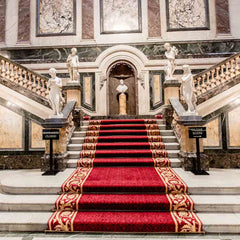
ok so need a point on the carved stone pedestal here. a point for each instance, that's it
(171, 90)
(122, 104)
(66, 128)
(72, 91)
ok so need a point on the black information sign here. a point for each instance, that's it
(197, 132)
(50, 134)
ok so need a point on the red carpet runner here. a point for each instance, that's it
(124, 183)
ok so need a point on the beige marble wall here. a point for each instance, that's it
(74, 94)
(11, 128)
(36, 136)
(213, 134)
(233, 127)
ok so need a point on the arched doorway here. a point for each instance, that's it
(126, 71)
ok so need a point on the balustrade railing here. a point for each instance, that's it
(219, 74)
(24, 77)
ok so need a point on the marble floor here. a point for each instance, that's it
(41, 236)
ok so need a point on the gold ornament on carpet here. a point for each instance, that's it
(159, 153)
(151, 126)
(89, 146)
(150, 121)
(153, 132)
(173, 183)
(94, 127)
(180, 202)
(161, 162)
(90, 139)
(92, 133)
(68, 202)
(157, 145)
(62, 221)
(74, 183)
(87, 154)
(155, 139)
(186, 222)
(95, 122)
(85, 162)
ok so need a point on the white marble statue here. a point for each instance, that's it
(170, 67)
(55, 97)
(122, 88)
(72, 65)
(187, 90)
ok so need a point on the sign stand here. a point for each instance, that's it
(197, 133)
(51, 134)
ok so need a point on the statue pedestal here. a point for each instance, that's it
(72, 92)
(171, 90)
(122, 104)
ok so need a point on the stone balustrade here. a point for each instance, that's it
(217, 75)
(24, 77)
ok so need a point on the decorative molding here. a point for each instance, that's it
(116, 8)
(62, 15)
(183, 15)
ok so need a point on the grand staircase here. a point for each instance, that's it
(121, 192)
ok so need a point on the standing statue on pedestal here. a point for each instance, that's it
(121, 89)
(187, 90)
(170, 67)
(72, 65)
(55, 97)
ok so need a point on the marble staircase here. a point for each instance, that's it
(27, 198)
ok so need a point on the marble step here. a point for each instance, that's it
(162, 132)
(76, 154)
(175, 163)
(37, 222)
(32, 182)
(166, 139)
(45, 203)
(78, 147)
(161, 127)
(159, 121)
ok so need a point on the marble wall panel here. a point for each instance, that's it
(233, 128)
(187, 14)
(2, 19)
(24, 20)
(213, 134)
(222, 16)
(154, 22)
(120, 16)
(87, 19)
(87, 81)
(11, 129)
(56, 17)
(36, 136)
(223, 48)
(156, 79)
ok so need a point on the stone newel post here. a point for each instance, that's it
(66, 127)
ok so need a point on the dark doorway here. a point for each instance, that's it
(122, 70)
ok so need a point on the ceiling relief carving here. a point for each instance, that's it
(56, 17)
(187, 15)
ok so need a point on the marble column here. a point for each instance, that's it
(2, 20)
(87, 19)
(154, 23)
(222, 17)
(24, 21)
